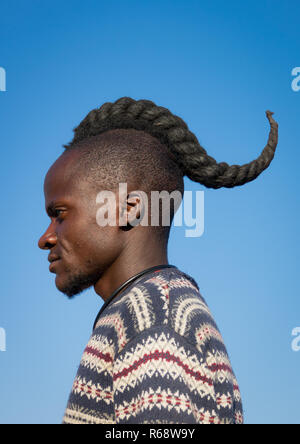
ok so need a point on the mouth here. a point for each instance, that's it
(53, 263)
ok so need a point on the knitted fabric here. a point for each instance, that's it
(156, 356)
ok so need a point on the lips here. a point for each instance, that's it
(53, 265)
(53, 259)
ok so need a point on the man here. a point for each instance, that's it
(155, 354)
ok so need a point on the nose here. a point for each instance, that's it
(48, 239)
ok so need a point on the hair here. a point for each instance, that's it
(148, 141)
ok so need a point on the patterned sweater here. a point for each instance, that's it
(156, 356)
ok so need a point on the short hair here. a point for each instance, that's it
(130, 138)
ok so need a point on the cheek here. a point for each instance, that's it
(103, 241)
(97, 246)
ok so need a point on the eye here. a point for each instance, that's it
(57, 214)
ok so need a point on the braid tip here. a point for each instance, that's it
(269, 115)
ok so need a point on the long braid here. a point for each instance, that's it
(183, 145)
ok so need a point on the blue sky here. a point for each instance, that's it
(218, 65)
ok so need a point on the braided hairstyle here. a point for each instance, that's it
(183, 146)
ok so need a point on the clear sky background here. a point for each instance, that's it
(218, 65)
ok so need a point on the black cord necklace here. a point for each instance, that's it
(129, 281)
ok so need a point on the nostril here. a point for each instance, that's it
(45, 244)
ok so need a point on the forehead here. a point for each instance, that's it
(61, 178)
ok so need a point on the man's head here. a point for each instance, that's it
(82, 250)
(149, 149)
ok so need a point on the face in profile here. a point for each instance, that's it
(79, 249)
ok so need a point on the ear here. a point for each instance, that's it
(132, 210)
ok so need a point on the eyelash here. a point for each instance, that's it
(56, 215)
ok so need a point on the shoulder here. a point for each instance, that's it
(190, 316)
(170, 298)
(149, 303)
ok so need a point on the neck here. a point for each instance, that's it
(130, 262)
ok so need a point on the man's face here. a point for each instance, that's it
(79, 249)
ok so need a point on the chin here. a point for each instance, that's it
(73, 285)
